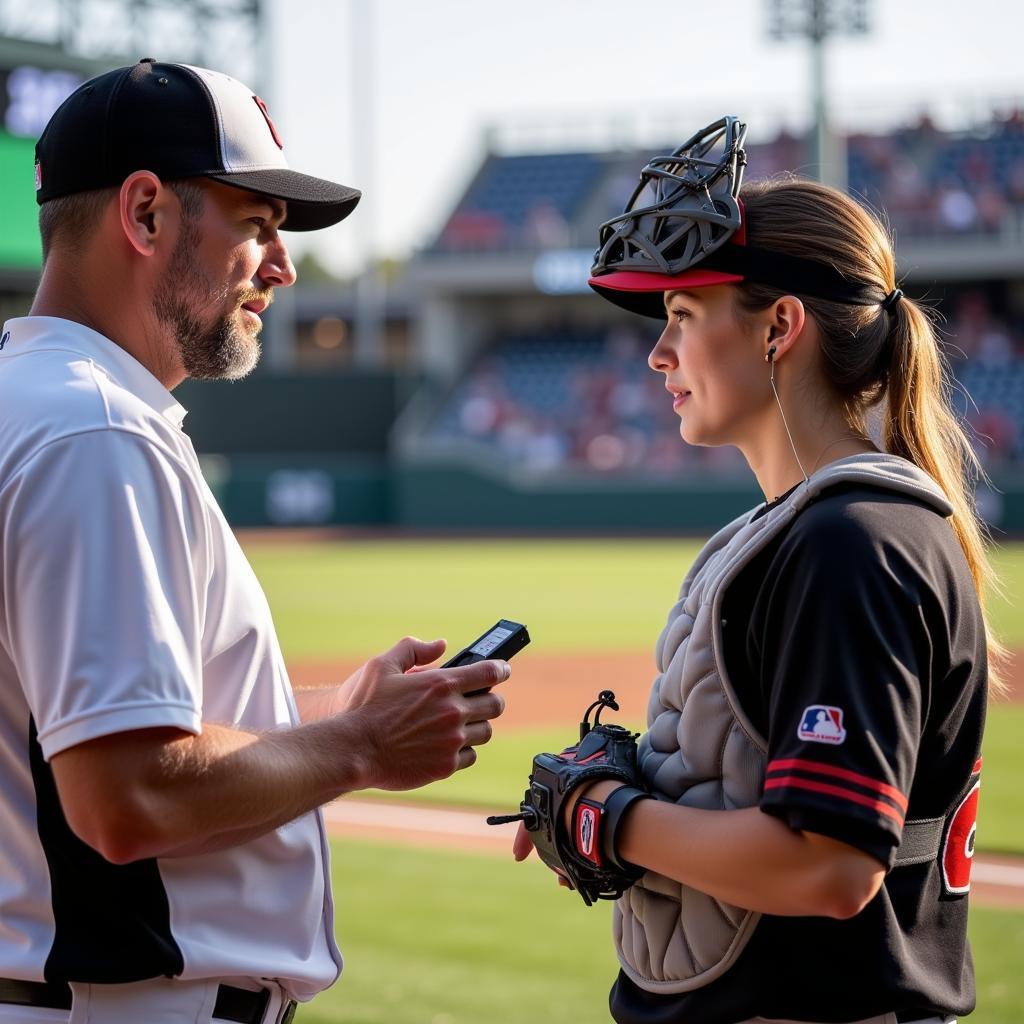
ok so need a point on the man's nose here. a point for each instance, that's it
(277, 269)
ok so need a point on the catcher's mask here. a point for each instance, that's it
(683, 227)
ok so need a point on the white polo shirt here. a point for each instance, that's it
(125, 603)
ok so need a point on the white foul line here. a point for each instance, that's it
(401, 817)
(414, 819)
(997, 874)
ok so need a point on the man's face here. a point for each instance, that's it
(226, 261)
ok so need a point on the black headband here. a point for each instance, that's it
(791, 273)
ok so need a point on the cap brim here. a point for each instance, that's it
(313, 203)
(644, 293)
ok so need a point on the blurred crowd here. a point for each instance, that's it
(562, 400)
(929, 182)
(986, 355)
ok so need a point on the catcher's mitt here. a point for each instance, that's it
(586, 854)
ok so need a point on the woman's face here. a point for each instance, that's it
(714, 368)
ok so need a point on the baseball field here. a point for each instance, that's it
(445, 932)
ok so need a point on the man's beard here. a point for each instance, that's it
(219, 350)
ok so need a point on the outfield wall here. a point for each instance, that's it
(257, 491)
(367, 492)
(317, 450)
(348, 413)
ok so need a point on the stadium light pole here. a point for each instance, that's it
(368, 304)
(280, 350)
(817, 21)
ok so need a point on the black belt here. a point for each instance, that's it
(234, 1004)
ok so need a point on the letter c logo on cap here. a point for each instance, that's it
(269, 120)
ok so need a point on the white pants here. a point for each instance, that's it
(158, 1001)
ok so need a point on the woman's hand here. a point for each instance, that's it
(522, 845)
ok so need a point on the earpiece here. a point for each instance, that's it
(771, 355)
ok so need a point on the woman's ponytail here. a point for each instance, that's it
(886, 353)
(919, 424)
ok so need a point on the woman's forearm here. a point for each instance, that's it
(750, 859)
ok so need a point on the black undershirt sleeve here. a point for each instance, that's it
(839, 638)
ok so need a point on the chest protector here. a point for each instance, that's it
(701, 750)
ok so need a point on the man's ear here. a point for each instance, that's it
(143, 207)
(785, 322)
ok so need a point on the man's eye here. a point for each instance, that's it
(679, 314)
(258, 221)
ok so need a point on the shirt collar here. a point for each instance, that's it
(39, 332)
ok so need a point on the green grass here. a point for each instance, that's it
(433, 937)
(997, 937)
(1001, 805)
(355, 598)
(436, 937)
(439, 937)
(1007, 609)
(358, 597)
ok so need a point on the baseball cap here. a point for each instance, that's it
(178, 121)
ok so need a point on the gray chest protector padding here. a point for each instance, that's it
(701, 750)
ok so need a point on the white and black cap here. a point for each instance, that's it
(178, 121)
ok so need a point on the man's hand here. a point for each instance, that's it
(417, 723)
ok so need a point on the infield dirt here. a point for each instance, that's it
(554, 689)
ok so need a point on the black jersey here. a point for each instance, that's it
(856, 646)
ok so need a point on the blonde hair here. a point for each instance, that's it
(871, 354)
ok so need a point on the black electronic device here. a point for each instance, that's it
(500, 642)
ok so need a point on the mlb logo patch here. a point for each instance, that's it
(822, 724)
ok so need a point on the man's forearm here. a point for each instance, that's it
(211, 791)
(231, 787)
(315, 703)
(160, 792)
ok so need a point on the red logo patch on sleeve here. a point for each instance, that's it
(958, 848)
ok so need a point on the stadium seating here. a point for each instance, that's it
(928, 181)
(525, 201)
(557, 400)
(552, 401)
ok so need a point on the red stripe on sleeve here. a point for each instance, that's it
(802, 764)
(845, 794)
